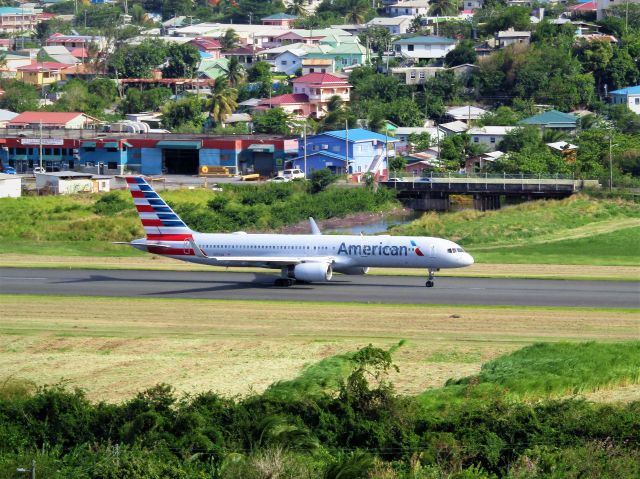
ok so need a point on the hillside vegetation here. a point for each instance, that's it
(576, 230)
(78, 225)
(359, 428)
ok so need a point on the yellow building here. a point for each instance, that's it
(40, 73)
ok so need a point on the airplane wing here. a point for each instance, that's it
(261, 260)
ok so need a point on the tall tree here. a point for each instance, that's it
(230, 39)
(443, 7)
(297, 7)
(356, 11)
(235, 72)
(222, 101)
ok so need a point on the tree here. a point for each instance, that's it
(521, 138)
(461, 54)
(443, 7)
(222, 101)
(182, 61)
(235, 72)
(297, 7)
(185, 113)
(18, 96)
(518, 18)
(355, 11)
(377, 37)
(137, 61)
(274, 120)
(229, 40)
(320, 180)
(104, 88)
(420, 142)
(397, 164)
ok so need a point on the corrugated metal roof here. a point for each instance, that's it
(425, 39)
(359, 134)
(630, 90)
(549, 118)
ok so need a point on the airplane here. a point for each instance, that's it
(306, 258)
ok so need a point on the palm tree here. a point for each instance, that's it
(443, 7)
(235, 72)
(223, 100)
(296, 7)
(229, 40)
(356, 11)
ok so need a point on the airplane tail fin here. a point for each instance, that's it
(160, 222)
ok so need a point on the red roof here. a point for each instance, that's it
(243, 51)
(43, 66)
(80, 52)
(584, 7)
(320, 78)
(286, 99)
(205, 44)
(44, 117)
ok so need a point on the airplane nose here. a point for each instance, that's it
(466, 259)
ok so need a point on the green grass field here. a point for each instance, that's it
(576, 231)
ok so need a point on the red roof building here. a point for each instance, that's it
(52, 120)
(208, 45)
(319, 88)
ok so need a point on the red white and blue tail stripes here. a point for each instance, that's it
(159, 220)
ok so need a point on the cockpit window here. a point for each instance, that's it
(460, 250)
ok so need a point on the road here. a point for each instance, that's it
(362, 289)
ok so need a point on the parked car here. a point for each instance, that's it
(394, 180)
(423, 179)
(9, 170)
(293, 174)
(39, 169)
(279, 179)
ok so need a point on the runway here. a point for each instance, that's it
(352, 289)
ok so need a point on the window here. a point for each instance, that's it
(21, 151)
(492, 139)
(112, 165)
(476, 139)
(335, 148)
(413, 74)
(283, 62)
(422, 75)
(345, 61)
(89, 148)
(637, 101)
(410, 47)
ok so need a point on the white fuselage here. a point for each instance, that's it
(346, 251)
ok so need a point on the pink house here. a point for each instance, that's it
(310, 96)
(208, 45)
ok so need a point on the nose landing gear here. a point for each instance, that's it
(430, 283)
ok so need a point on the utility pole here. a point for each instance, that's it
(40, 153)
(304, 146)
(346, 145)
(611, 161)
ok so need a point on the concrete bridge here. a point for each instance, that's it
(433, 192)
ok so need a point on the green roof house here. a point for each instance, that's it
(213, 68)
(343, 54)
(553, 119)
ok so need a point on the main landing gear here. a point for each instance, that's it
(284, 281)
(430, 283)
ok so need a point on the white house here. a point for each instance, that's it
(10, 186)
(396, 25)
(629, 96)
(409, 7)
(423, 47)
(472, 4)
(288, 61)
(65, 182)
(489, 136)
(512, 37)
(466, 112)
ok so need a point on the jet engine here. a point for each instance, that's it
(313, 272)
(353, 270)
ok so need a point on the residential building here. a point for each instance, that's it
(21, 19)
(209, 46)
(402, 134)
(39, 74)
(409, 7)
(74, 41)
(424, 47)
(287, 58)
(479, 163)
(603, 6)
(12, 62)
(357, 151)
(629, 96)
(466, 113)
(489, 136)
(52, 120)
(10, 186)
(317, 65)
(396, 25)
(60, 54)
(472, 4)
(453, 127)
(280, 20)
(320, 87)
(512, 37)
(211, 69)
(553, 119)
(344, 52)
(247, 56)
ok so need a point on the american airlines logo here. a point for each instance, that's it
(372, 250)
